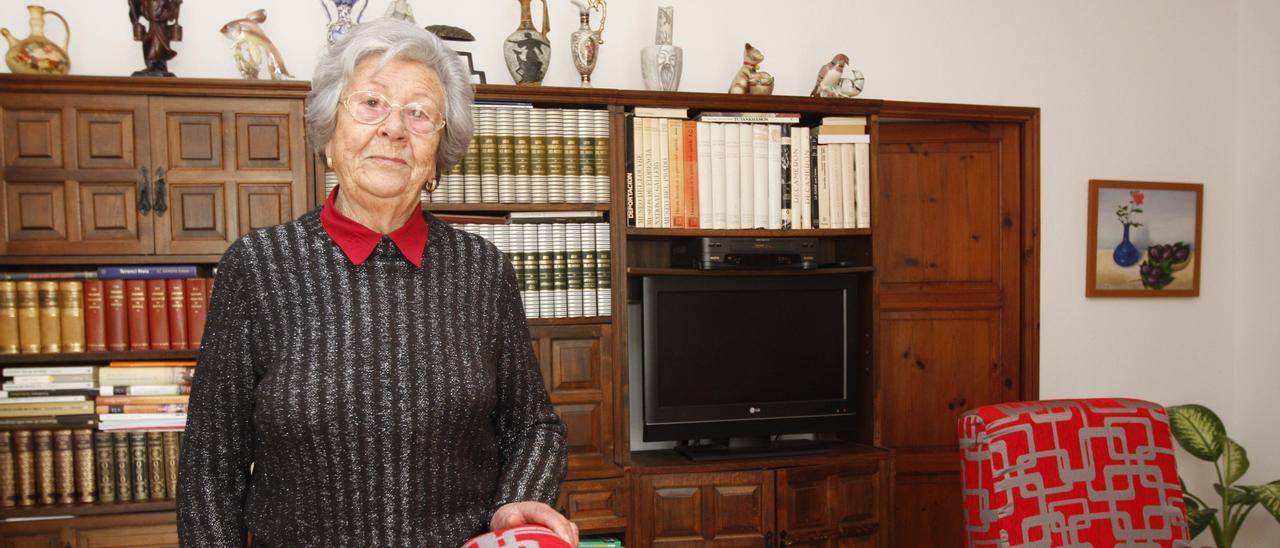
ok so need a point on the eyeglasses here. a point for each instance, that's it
(370, 107)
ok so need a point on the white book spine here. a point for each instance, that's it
(555, 156)
(637, 171)
(848, 186)
(587, 242)
(9, 386)
(538, 156)
(862, 168)
(824, 189)
(603, 162)
(604, 285)
(773, 203)
(732, 177)
(747, 180)
(524, 154)
(39, 399)
(546, 273)
(141, 390)
(760, 175)
(835, 191)
(487, 125)
(56, 371)
(506, 124)
(654, 152)
(716, 203)
(529, 243)
(704, 175)
(573, 251)
(806, 177)
(797, 193)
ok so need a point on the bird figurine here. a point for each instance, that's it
(828, 84)
(250, 46)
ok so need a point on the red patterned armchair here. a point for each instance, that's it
(1089, 472)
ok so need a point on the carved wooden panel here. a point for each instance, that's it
(833, 505)
(36, 210)
(105, 139)
(32, 137)
(143, 536)
(195, 220)
(262, 205)
(595, 505)
(262, 141)
(704, 509)
(928, 510)
(194, 140)
(32, 540)
(109, 212)
(937, 365)
(578, 374)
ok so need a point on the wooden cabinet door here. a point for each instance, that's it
(228, 166)
(595, 505)
(947, 239)
(721, 509)
(73, 175)
(833, 505)
(51, 539)
(140, 536)
(578, 372)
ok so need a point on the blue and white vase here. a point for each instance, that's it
(342, 22)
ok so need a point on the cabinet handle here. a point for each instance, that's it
(144, 191)
(782, 539)
(768, 539)
(160, 204)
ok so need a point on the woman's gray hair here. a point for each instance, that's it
(392, 39)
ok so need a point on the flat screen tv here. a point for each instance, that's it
(748, 356)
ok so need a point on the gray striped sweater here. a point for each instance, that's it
(379, 404)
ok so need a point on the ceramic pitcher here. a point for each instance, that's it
(35, 54)
(527, 51)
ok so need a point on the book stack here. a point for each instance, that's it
(744, 170)
(144, 395)
(46, 467)
(600, 542)
(522, 154)
(55, 396)
(115, 308)
(561, 260)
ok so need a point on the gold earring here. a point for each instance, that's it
(328, 161)
(431, 186)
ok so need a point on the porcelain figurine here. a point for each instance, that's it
(341, 21)
(661, 63)
(399, 9)
(833, 82)
(527, 51)
(585, 42)
(852, 82)
(36, 54)
(162, 28)
(749, 79)
(251, 47)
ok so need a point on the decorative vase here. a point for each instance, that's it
(661, 63)
(1126, 254)
(527, 51)
(585, 42)
(36, 54)
(341, 22)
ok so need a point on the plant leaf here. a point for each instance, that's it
(1198, 520)
(1269, 496)
(1235, 458)
(1237, 494)
(1198, 430)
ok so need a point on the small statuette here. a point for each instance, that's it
(585, 42)
(162, 28)
(833, 81)
(341, 21)
(250, 47)
(399, 9)
(749, 79)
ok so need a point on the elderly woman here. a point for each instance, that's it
(366, 376)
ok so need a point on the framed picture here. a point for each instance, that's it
(1144, 239)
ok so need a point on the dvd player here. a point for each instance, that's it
(718, 253)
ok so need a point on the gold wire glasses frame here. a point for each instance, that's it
(372, 108)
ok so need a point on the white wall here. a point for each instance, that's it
(1157, 90)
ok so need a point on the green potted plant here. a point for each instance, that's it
(1200, 432)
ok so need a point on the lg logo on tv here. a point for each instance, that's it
(753, 410)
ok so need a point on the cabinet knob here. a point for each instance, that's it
(782, 539)
(144, 191)
(160, 204)
(768, 539)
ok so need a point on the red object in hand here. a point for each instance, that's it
(524, 536)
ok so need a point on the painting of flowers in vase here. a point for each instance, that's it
(1144, 239)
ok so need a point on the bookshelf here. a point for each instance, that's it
(952, 278)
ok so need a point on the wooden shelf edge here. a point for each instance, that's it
(29, 260)
(586, 320)
(86, 357)
(91, 509)
(746, 233)
(641, 271)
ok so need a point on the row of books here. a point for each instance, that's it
(522, 154)
(563, 269)
(58, 467)
(125, 396)
(738, 174)
(94, 315)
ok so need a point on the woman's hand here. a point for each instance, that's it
(530, 512)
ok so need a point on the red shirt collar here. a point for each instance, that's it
(358, 241)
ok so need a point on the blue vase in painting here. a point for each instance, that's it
(1126, 254)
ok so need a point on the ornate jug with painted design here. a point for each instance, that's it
(36, 54)
(528, 51)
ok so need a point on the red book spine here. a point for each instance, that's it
(158, 314)
(117, 319)
(95, 319)
(136, 293)
(691, 173)
(196, 310)
(177, 314)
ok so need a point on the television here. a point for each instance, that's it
(748, 356)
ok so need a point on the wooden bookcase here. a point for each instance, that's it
(951, 264)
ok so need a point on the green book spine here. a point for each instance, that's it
(602, 155)
(105, 465)
(138, 465)
(124, 474)
(155, 465)
(555, 155)
(471, 172)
